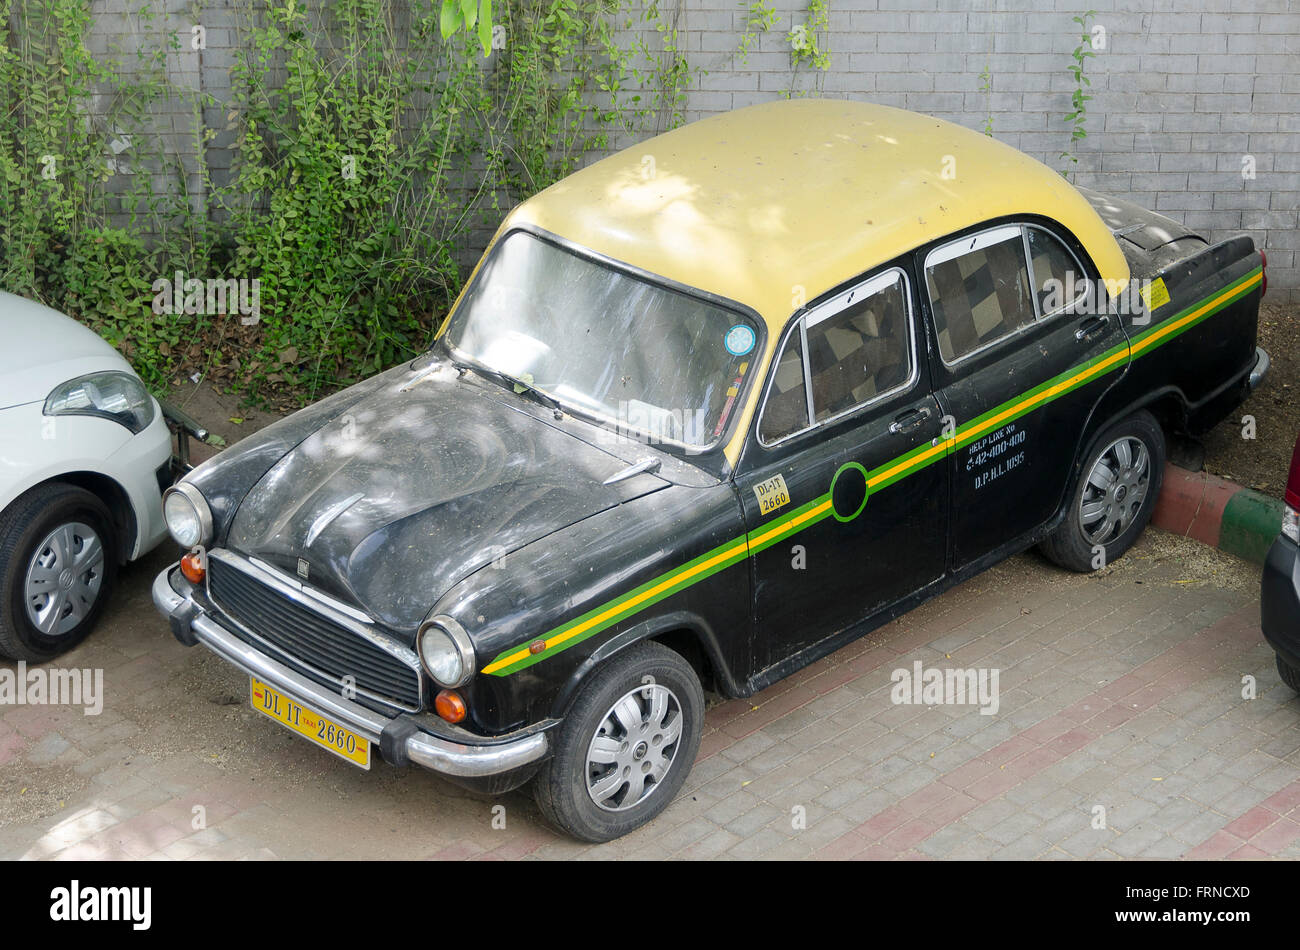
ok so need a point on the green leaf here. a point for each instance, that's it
(485, 27)
(451, 19)
(470, 10)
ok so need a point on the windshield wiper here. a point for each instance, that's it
(514, 383)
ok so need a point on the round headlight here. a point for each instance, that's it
(188, 517)
(446, 652)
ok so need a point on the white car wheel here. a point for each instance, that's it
(58, 559)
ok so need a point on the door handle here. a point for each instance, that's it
(1091, 328)
(909, 420)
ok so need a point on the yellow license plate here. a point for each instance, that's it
(344, 743)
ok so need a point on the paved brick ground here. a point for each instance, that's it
(1120, 692)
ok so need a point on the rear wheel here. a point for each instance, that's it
(625, 747)
(57, 567)
(1113, 496)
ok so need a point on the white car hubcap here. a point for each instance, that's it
(64, 578)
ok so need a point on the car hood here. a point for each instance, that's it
(418, 485)
(43, 348)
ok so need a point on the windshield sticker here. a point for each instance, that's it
(739, 340)
(732, 392)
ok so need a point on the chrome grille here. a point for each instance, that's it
(325, 649)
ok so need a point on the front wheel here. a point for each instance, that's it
(57, 566)
(1113, 496)
(625, 747)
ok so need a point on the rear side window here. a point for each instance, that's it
(846, 353)
(979, 290)
(1059, 281)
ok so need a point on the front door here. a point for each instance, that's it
(842, 483)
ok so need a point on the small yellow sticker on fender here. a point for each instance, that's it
(1155, 294)
(771, 494)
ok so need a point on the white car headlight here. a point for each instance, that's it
(188, 517)
(446, 652)
(109, 395)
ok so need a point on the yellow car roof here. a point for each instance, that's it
(787, 199)
(774, 204)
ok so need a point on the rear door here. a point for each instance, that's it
(1021, 359)
(843, 517)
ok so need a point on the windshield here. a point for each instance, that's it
(659, 364)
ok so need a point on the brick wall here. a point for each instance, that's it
(1187, 94)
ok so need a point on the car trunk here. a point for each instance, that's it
(1151, 242)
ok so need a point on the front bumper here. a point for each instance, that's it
(1279, 600)
(399, 739)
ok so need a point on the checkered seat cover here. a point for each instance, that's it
(854, 356)
(979, 297)
(858, 354)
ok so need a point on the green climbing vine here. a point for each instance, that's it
(809, 44)
(1078, 116)
(372, 148)
(986, 87)
(762, 17)
(665, 72)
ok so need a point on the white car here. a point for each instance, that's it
(85, 454)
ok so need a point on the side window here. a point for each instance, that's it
(849, 350)
(979, 290)
(862, 350)
(1059, 281)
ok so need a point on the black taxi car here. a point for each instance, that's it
(706, 411)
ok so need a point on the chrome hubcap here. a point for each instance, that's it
(1115, 490)
(634, 747)
(64, 578)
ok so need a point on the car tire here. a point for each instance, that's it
(61, 537)
(1131, 455)
(1290, 675)
(610, 746)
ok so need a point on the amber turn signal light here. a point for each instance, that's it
(193, 569)
(450, 706)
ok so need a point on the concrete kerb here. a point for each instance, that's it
(1218, 512)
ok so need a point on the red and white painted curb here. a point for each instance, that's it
(1218, 512)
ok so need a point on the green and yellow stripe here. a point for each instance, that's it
(773, 532)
